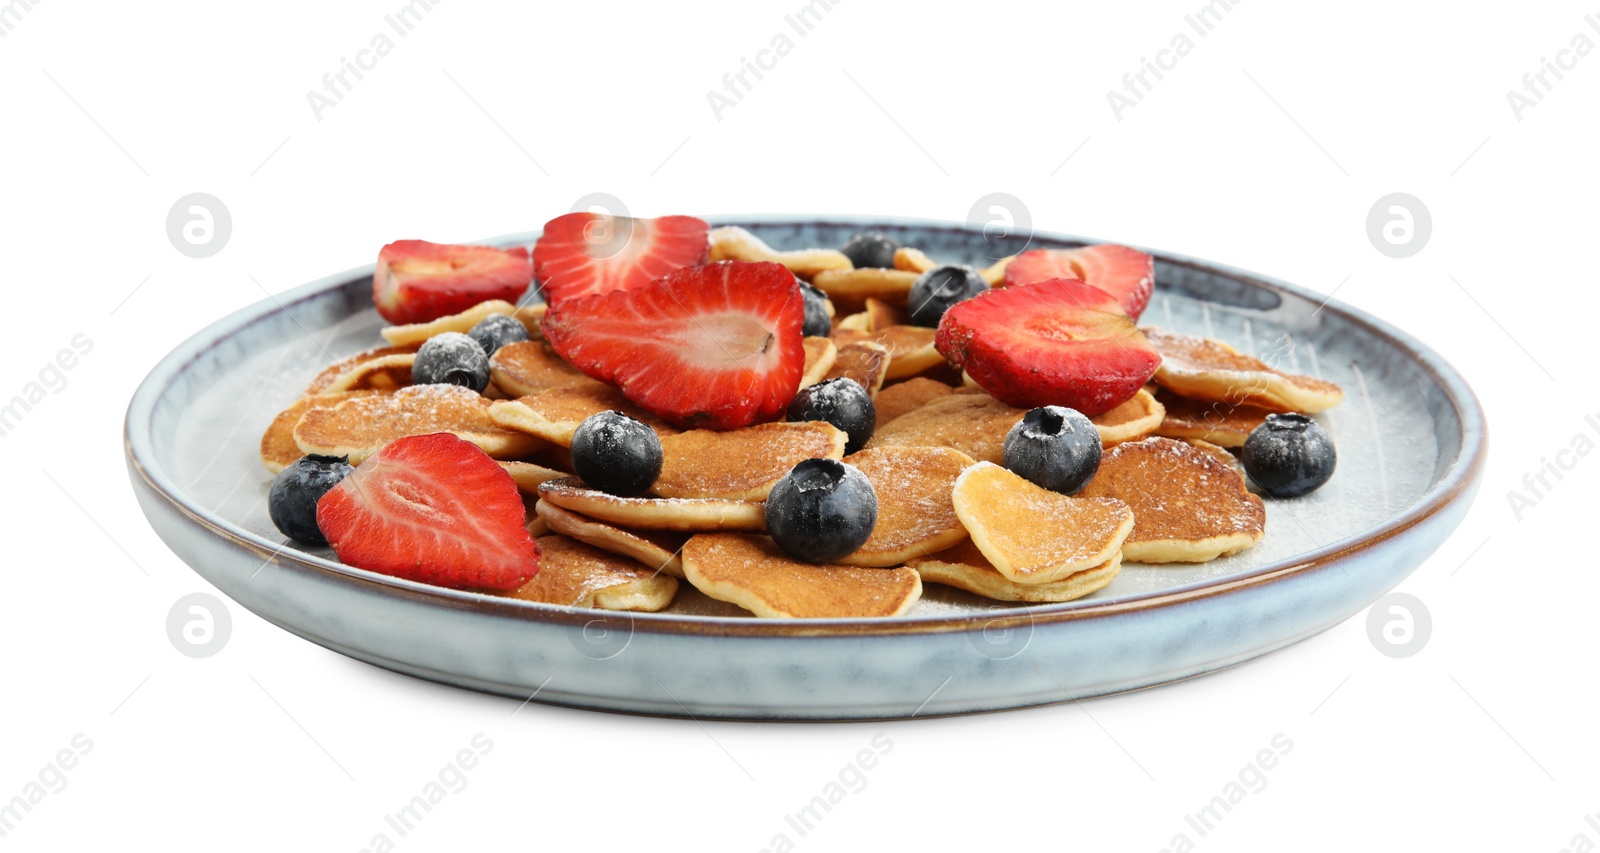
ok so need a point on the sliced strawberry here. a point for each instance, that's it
(586, 253)
(1051, 343)
(1128, 274)
(715, 346)
(434, 509)
(417, 281)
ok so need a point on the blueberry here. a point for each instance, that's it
(616, 454)
(292, 502)
(871, 249)
(818, 324)
(841, 402)
(1054, 447)
(451, 358)
(1289, 455)
(941, 287)
(497, 330)
(821, 510)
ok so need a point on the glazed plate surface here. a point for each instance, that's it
(1410, 435)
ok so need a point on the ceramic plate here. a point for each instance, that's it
(1410, 434)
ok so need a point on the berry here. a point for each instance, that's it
(1289, 455)
(617, 454)
(497, 330)
(841, 402)
(941, 287)
(581, 254)
(871, 249)
(1054, 447)
(417, 281)
(1129, 275)
(433, 509)
(821, 510)
(292, 502)
(1051, 343)
(451, 358)
(716, 346)
(818, 324)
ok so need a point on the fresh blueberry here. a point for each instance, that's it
(292, 502)
(1289, 455)
(941, 287)
(821, 510)
(871, 249)
(818, 324)
(841, 402)
(616, 454)
(1054, 447)
(451, 358)
(497, 330)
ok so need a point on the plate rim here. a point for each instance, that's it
(1459, 479)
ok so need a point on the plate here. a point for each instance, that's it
(1412, 445)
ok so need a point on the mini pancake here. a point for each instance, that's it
(965, 567)
(852, 287)
(882, 315)
(383, 369)
(913, 260)
(532, 317)
(697, 514)
(975, 424)
(578, 575)
(1033, 535)
(915, 515)
(742, 464)
(1222, 424)
(1203, 369)
(1189, 506)
(1136, 418)
(911, 350)
(656, 550)
(752, 572)
(996, 272)
(853, 327)
(1222, 455)
(732, 243)
(416, 333)
(555, 413)
(820, 355)
(867, 362)
(358, 428)
(528, 476)
(902, 397)
(528, 367)
(278, 450)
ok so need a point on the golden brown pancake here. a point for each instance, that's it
(528, 476)
(1188, 505)
(975, 424)
(528, 367)
(359, 427)
(1204, 369)
(1034, 535)
(555, 413)
(382, 369)
(278, 450)
(867, 362)
(416, 333)
(913, 260)
(901, 397)
(965, 567)
(1222, 424)
(752, 572)
(882, 315)
(657, 550)
(915, 515)
(851, 288)
(820, 355)
(911, 350)
(654, 513)
(578, 575)
(1136, 418)
(732, 243)
(742, 464)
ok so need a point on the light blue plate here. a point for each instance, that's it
(1410, 433)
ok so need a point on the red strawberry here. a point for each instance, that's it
(715, 346)
(1128, 274)
(417, 281)
(433, 509)
(1051, 343)
(586, 253)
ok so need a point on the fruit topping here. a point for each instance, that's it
(841, 402)
(871, 249)
(497, 330)
(292, 500)
(433, 509)
(1054, 447)
(451, 358)
(821, 510)
(417, 281)
(941, 287)
(582, 253)
(1051, 343)
(1127, 274)
(616, 454)
(818, 324)
(1289, 455)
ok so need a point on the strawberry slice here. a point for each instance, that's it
(417, 281)
(1128, 274)
(1051, 343)
(586, 253)
(433, 509)
(715, 346)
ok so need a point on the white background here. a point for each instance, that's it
(1264, 148)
